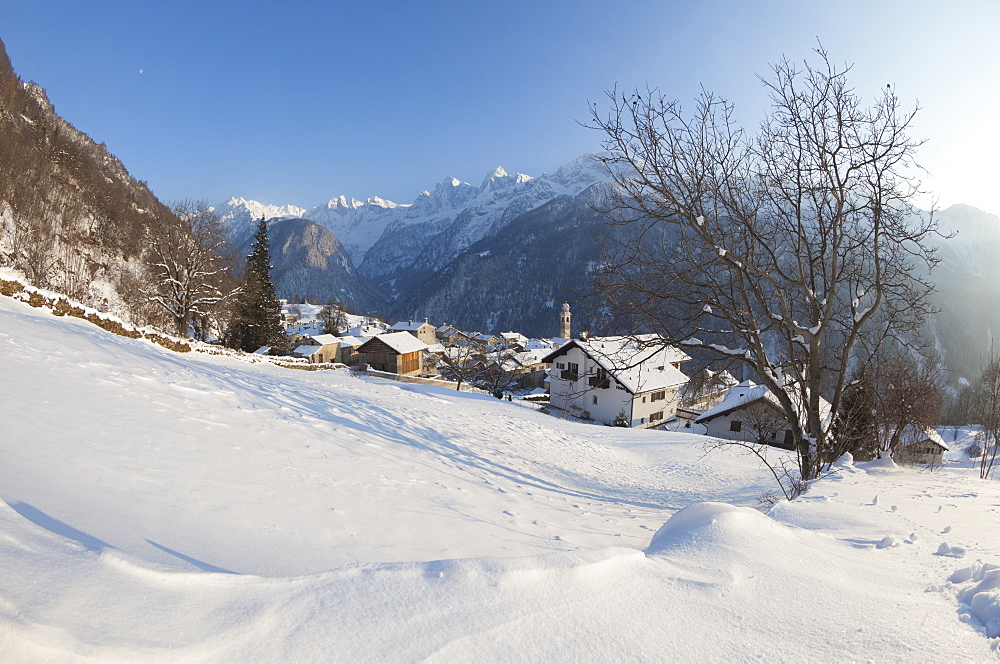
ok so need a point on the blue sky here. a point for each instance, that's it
(296, 102)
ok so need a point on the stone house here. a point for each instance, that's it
(423, 331)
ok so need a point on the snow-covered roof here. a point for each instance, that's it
(307, 351)
(914, 434)
(540, 344)
(747, 392)
(409, 325)
(366, 331)
(401, 342)
(263, 350)
(324, 339)
(350, 342)
(640, 364)
(737, 397)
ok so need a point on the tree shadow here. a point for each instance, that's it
(43, 520)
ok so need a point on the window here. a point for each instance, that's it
(687, 425)
(560, 365)
(655, 417)
(736, 426)
(595, 401)
(644, 399)
(574, 367)
(659, 396)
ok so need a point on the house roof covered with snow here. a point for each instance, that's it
(914, 434)
(640, 364)
(308, 350)
(401, 342)
(409, 325)
(746, 393)
(350, 342)
(324, 339)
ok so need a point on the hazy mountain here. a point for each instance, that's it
(968, 290)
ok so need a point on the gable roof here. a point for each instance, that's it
(401, 342)
(913, 434)
(640, 363)
(746, 393)
(324, 339)
(308, 350)
(738, 397)
(350, 342)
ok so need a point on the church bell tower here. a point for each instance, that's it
(564, 322)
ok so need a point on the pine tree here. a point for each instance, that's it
(855, 429)
(257, 316)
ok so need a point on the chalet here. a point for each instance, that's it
(920, 445)
(423, 331)
(394, 352)
(606, 378)
(749, 412)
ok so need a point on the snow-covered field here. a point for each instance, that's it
(184, 507)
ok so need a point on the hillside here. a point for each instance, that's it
(159, 506)
(71, 215)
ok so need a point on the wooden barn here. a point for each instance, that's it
(395, 352)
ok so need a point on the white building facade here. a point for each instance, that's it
(607, 377)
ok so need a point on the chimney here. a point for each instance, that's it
(425, 322)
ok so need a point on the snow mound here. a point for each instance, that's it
(982, 596)
(715, 524)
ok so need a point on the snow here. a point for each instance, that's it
(194, 507)
(401, 342)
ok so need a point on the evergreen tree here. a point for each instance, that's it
(856, 429)
(257, 315)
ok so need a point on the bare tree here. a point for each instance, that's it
(908, 397)
(463, 360)
(333, 317)
(499, 370)
(787, 251)
(188, 258)
(763, 421)
(987, 409)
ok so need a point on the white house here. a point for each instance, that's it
(920, 445)
(604, 377)
(750, 412)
